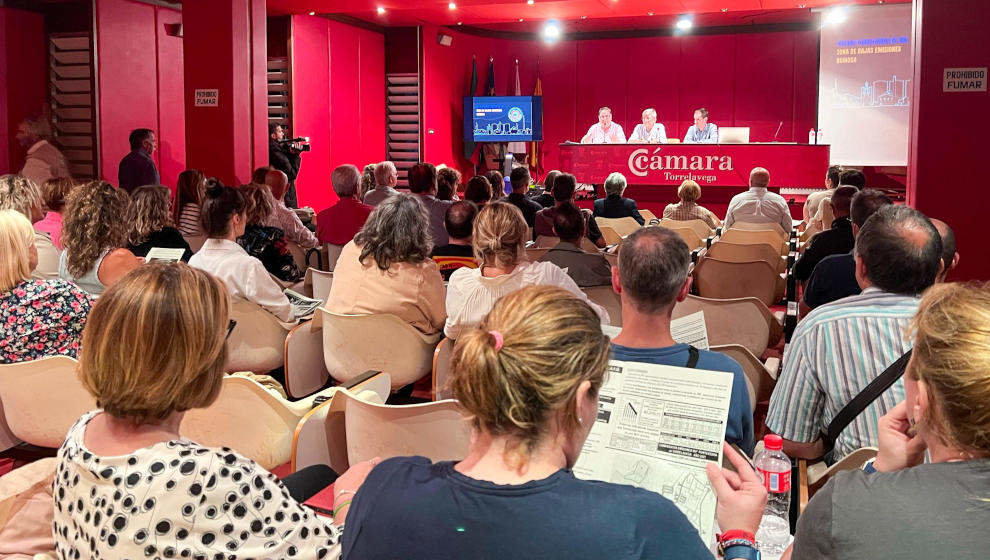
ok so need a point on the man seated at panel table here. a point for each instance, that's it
(650, 132)
(701, 132)
(604, 131)
(758, 205)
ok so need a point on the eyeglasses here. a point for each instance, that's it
(230, 327)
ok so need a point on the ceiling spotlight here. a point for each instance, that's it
(551, 31)
(312, 13)
(530, 2)
(584, 17)
(836, 15)
(649, 13)
(381, 10)
(520, 20)
(451, 6)
(460, 23)
(684, 23)
(725, 10)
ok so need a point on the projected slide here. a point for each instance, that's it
(864, 97)
(503, 119)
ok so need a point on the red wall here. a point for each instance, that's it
(944, 177)
(338, 100)
(749, 79)
(23, 79)
(140, 84)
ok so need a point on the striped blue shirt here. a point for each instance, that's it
(834, 354)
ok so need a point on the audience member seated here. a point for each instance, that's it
(520, 180)
(545, 198)
(839, 348)
(283, 217)
(836, 240)
(564, 186)
(260, 175)
(224, 220)
(497, 181)
(478, 190)
(847, 178)
(39, 317)
(651, 278)
(586, 269)
(528, 376)
(458, 252)
(388, 269)
(264, 242)
(94, 235)
(22, 195)
(758, 205)
(53, 194)
(339, 223)
(687, 209)
(499, 237)
(367, 181)
(814, 200)
(137, 169)
(386, 177)
(190, 191)
(834, 277)
(614, 205)
(944, 416)
(43, 161)
(950, 258)
(423, 183)
(448, 179)
(150, 223)
(128, 484)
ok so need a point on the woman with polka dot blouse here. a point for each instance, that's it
(128, 485)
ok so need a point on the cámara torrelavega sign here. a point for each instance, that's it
(641, 162)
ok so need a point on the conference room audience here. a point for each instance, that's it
(839, 348)
(128, 484)
(386, 177)
(836, 240)
(21, 194)
(650, 131)
(943, 416)
(499, 237)
(847, 177)
(448, 179)
(586, 269)
(814, 200)
(834, 277)
(94, 234)
(614, 205)
(497, 181)
(652, 277)
(54, 191)
(43, 160)
(387, 268)
(367, 181)
(423, 183)
(950, 257)
(150, 222)
(137, 169)
(545, 197)
(520, 180)
(40, 317)
(478, 190)
(528, 376)
(283, 217)
(190, 190)
(688, 209)
(702, 131)
(264, 242)
(564, 187)
(224, 220)
(758, 205)
(458, 252)
(338, 224)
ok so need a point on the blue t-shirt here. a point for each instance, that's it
(740, 425)
(411, 508)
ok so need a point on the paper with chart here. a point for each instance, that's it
(689, 329)
(657, 428)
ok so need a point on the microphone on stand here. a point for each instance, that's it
(778, 131)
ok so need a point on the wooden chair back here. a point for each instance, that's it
(744, 321)
(322, 281)
(761, 226)
(622, 226)
(736, 252)
(606, 297)
(698, 226)
(439, 431)
(441, 370)
(718, 279)
(611, 236)
(41, 400)
(647, 215)
(744, 237)
(759, 379)
(257, 343)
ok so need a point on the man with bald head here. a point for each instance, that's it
(840, 347)
(282, 216)
(758, 205)
(339, 224)
(836, 240)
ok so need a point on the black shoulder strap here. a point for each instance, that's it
(859, 403)
(693, 355)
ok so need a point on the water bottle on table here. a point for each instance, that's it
(774, 467)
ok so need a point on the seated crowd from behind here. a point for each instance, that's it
(54, 192)
(478, 190)
(499, 237)
(23, 195)
(190, 191)
(841, 347)
(520, 180)
(497, 181)
(264, 242)
(545, 196)
(224, 217)
(387, 268)
(586, 269)
(458, 252)
(836, 240)
(423, 183)
(758, 205)
(150, 225)
(614, 205)
(688, 209)
(651, 278)
(94, 236)
(448, 181)
(810, 210)
(338, 224)
(283, 217)
(564, 187)
(386, 177)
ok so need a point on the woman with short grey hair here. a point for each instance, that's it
(387, 268)
(614, 205)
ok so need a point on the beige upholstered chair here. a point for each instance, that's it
(305, 369)
(760, 376)
(744, 237)
(606, 297)
(441, 370)
(621, 226)
(744, 321)
(330, 253)
(718, 279)
(647, 215)
(735, 252)
(257, 343)
(611, 236)
(688, 234)
(698, 226)
(768, 226)
(322, 281)
(41, 400)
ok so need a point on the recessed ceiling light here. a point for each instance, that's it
(584, 17)
(451, 6)
(312, 13)
(802, 6)
(649, 13)
(684, 23)
(520, 19)
(836, 15)
(530, 2)
(551, 31)
(381, 10)
(725, 10)
(460, 23)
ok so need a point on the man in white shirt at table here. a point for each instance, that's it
(757, 205)
(604, 131)
(702, 131)
(650, 132)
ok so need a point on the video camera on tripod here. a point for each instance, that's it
(300, 144)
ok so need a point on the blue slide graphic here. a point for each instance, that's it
(503, 119)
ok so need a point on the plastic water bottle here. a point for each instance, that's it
(774, 467)
(812, 137)
(821, 136)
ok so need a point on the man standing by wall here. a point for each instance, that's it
(137, 169)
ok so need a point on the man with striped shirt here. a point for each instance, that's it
(839, 348)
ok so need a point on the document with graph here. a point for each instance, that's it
(657, 428)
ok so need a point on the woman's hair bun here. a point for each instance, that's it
(214, 188)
